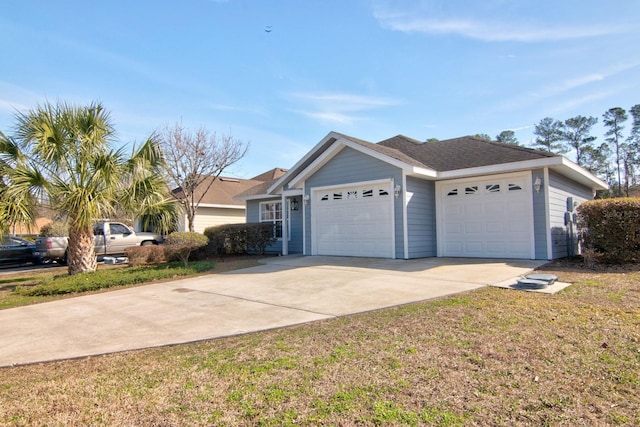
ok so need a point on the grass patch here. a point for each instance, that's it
(44, 285)
(104, 279)
(489, 357)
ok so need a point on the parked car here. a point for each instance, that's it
(16, 250)
(111, 238)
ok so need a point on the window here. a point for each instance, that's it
(492, 188)
(367, 193)
(473, 189)
(337, 196)
(514, 187)
(353, 194)
(453, 192)
(119, 229)
(272, 212)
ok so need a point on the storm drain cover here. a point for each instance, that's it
(532, 284)
(549, 278)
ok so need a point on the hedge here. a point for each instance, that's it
(611, 228)
(236, 239)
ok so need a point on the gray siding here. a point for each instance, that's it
(539, 218)
(560, 188)
(350, 166)
(295, 239)
(421, 218)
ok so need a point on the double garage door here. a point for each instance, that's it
(488, 217)
(355, 220)
(491, 217)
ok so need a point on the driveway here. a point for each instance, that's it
(284, 291)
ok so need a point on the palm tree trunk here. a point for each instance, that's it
(81, 255)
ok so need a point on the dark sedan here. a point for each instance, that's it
(15, 250)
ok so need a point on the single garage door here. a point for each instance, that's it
(354, 220)
(491, 217)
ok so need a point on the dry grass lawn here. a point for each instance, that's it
(488, 357)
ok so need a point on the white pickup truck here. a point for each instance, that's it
(111, 238)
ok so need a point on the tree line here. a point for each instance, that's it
(615, 160)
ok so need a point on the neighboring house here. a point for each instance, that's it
(402, 198)
(218, 206)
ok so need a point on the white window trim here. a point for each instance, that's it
(284, 215)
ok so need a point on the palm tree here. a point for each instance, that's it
(61, 155)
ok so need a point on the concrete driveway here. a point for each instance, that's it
(284, 291)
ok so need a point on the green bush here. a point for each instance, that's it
(611, 228)
(236, 239)
(141, 255)
(55, 229)
(181, 244)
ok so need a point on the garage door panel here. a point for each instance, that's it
(473, 248)
(496, 247)
(490, 217)
(495, 207)
(495, 227)
(354, 221)
(473, 227)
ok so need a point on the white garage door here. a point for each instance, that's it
(353, 221)
(491, 217)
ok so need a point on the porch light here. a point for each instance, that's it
(396, 190)
(294, 204)
(306, 199)
(537, 184)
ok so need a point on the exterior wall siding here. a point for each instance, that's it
(540, 233)
(349, 166)
(295, 238)
(563, 239)
(421, 218)
(210, 217)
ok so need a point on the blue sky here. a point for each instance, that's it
(371, 69)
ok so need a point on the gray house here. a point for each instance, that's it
(402, 198)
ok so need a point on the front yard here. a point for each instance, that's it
(488, 357)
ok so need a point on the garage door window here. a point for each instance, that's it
(272, 212)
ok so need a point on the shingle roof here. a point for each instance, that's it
(462, 153)
(270, 175)
(222, 190)
(452, 154)
(389, 151)
(260, 188)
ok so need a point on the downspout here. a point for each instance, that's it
(405, 216)
(547, 209)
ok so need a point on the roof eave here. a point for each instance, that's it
(256, 197)
(292, 172)
(559, 163)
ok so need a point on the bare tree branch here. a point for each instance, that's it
(194, 160)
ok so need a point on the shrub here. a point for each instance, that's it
(141, 255)
(54, 229)
(611, 228)
(235, 239)
(181, 244)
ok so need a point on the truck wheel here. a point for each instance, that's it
(63, 261)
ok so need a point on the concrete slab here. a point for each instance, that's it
(551, 289)
(284, 291)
